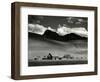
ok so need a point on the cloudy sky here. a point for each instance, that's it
(55, 21)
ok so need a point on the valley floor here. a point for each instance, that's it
(42, 47)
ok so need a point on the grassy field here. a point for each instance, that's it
(41, 47)
(46, 63)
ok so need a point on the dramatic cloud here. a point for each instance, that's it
(36, 28)
(79, 31)
(62, 30)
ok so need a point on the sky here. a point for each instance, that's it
(55, 21)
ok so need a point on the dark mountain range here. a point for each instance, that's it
(54, 36)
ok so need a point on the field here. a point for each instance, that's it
(46, 63)
(38, 46)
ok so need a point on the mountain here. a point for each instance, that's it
(33, 35)
(61, 34)
(54, 36)
(62, 30)
(73, 36)
(51, 35)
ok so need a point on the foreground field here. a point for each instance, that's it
(46, 63)
(42, 46)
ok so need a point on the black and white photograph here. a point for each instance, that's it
(57, 40)
(45, 37)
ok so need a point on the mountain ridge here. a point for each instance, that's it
(62, 31)
(54, 36)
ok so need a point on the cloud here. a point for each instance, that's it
(36, 28)
(77, 30)
(49, 28)
(62, 30)
(80, 31)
